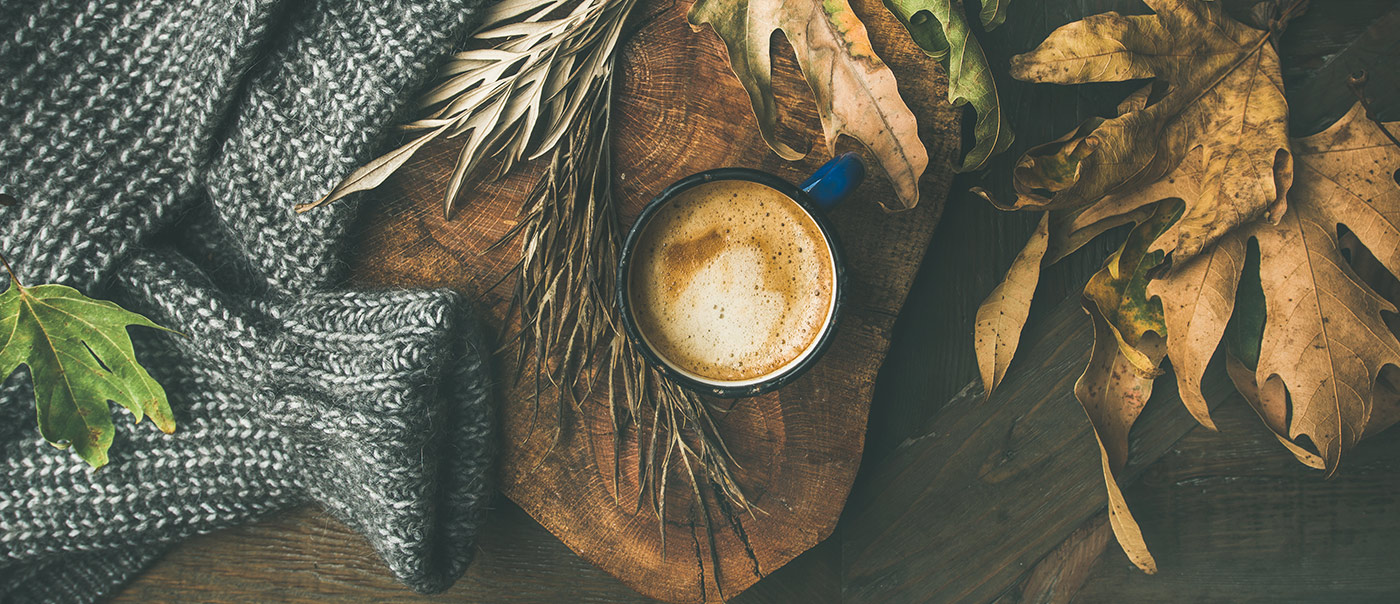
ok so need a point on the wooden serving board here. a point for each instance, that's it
(680, 110)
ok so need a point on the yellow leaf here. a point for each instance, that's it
(1325, 338)
(1114, 392)
(1003, 314)
(1217, 90)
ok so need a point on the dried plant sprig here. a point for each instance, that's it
(513, 98)
(539, 83)
(570, 338)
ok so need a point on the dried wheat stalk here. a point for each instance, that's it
(537, 82)
(570, 336)
(512, 97)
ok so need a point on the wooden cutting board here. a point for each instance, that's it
(680, 110)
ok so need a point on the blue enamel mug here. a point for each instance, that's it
(687, 264)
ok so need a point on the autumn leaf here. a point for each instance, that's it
(1113, 391)
(940, 28)
(1003, 314)
(1197, 296)
(1129, 345)
(1314, 333)
(79, 357)
(1324, 337)
(855, 92)
(1216, 90)
(1119, 289)
(1242, 337)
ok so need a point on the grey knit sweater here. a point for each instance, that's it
(157, 148)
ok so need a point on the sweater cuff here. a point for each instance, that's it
(387, 395)
(382, 397)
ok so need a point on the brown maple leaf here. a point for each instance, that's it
(855, 92)
(1324, 338)
(1318, 341)
(1216, 90)
(1308, 344)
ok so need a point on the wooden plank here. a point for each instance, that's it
(305, 555)
(1319, 96)
(1232, 517)
(931, 359)
(961, 511)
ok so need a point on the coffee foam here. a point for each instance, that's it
(731, 281)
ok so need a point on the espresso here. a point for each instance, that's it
(731, 281)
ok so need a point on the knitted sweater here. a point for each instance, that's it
(157, 148)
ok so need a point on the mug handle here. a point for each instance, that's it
(834, 181)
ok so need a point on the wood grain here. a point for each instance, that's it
(1235, 518)
(305, 555)
(960, 512)
(679, 111)
(1057, 578)
(1230, 516)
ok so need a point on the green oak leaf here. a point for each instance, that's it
(940, 28)
(80, 357)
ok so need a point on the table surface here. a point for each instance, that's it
(1230, 515)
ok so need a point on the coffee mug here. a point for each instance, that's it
(731, 280)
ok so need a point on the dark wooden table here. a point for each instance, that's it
(1231, 517)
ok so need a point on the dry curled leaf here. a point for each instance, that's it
(1197, 295)
(940, 28)
(1242, 337)
(855, 92)
(1128, 350)
(1216, 89)
(1119, 289)
(1114, 391)
(1002, 316)
(1324, 337)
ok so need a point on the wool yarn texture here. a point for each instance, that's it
(157, 149)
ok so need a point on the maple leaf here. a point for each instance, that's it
(1324, 338)
(855, 92)
(79, 357)
(940, 28)
(1307, 342)
(1216, 90)
(1243, 335)
(1113, 391)
(1314, 337)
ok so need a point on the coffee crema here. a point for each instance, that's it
(731, 281)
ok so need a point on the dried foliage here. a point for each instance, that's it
(571, 340)
(515, 96)
(855, 92)
(537, 82)
(1230, 244)
(941, 29)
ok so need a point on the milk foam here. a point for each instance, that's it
(731, 281)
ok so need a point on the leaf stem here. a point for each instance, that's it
(1357, 83)
(14, 278)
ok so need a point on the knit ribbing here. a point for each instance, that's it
(157, 148)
